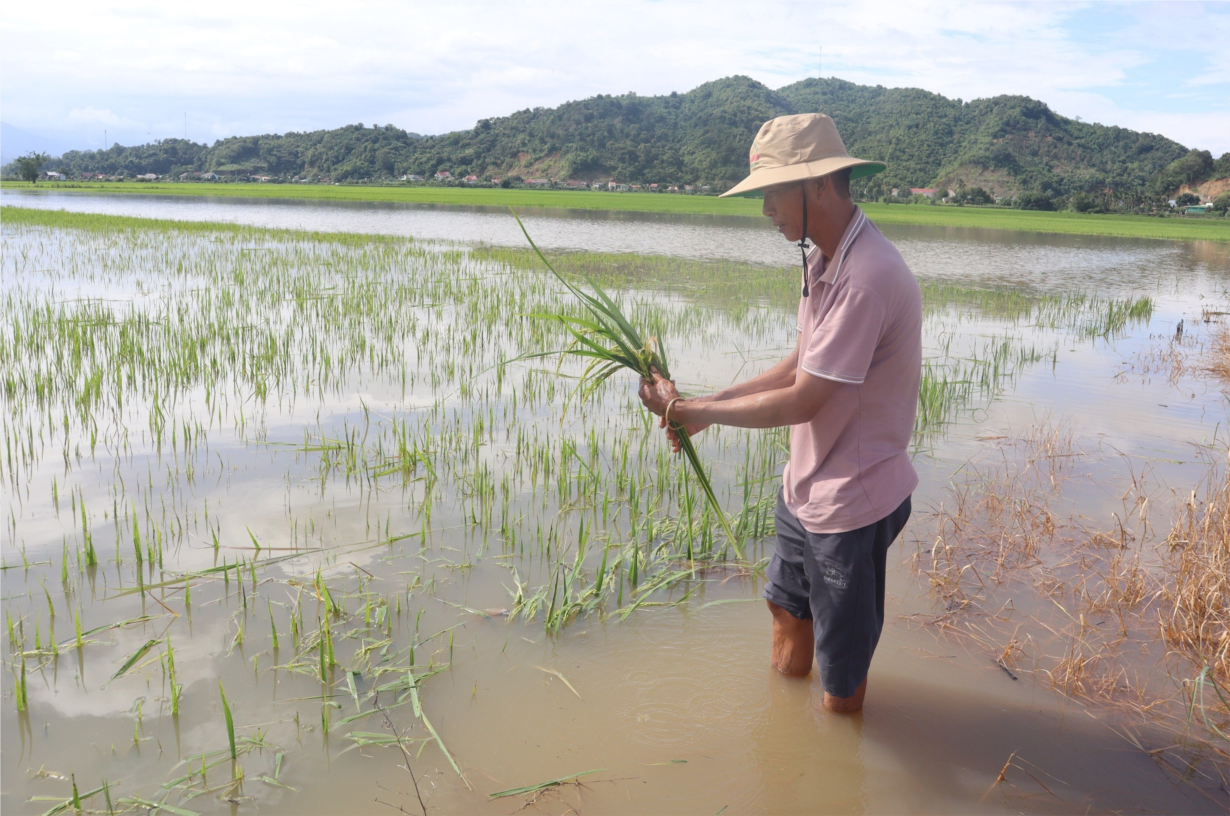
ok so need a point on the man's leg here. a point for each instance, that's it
(786, 592)
(793, 642)
(846, 705)
(846, 573)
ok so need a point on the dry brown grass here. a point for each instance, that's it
(1195, 616)
(1202, 349)
(1166, 356)
(1112, 612)
(996, 520)
(1104, 612)
(1217, 360)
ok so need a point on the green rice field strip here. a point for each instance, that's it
(309, 444)
(1122, 226)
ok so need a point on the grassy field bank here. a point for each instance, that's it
(1124, 226)
(458, 196)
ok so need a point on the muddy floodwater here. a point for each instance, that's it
(285, 472)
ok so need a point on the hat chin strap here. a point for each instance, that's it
(803, 245)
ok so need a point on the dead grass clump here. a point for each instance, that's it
(1014, 563)
(1218, 358)
(1195, 617)
(1167, 355)
(997, 520)
(1036, 588)
(1123, 587)
(1083, 670)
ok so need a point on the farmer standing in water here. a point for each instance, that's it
(849, 392)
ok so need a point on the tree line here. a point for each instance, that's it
(1006, 145)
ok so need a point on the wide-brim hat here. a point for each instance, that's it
(799, 147)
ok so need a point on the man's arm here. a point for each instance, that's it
(791, 405)
(778, 377)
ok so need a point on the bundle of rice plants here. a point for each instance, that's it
(608, 340)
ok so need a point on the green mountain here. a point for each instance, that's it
(1006, 144)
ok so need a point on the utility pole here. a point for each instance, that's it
(185, 126)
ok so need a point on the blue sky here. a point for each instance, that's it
(69, 71)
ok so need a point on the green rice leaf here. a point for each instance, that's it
(543, 785)
(155, 807)
(132, 659)
(440, 742)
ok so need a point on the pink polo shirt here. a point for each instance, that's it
(862, 326)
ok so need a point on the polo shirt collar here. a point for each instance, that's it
(831, 268)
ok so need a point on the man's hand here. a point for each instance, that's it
(767, 401)
(693, 428)
(656, 395)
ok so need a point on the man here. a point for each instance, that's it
(849, 392)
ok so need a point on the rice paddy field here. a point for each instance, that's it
(287, 527)
(1127, 226)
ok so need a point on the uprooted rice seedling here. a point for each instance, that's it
(610, 344)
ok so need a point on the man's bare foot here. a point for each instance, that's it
(793, 642)
(846, 705)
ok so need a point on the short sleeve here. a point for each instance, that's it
(842, 345)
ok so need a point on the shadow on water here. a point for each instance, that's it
(1054, 759)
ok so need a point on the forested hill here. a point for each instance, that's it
(1007, 144)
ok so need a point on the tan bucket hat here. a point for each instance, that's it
(798, 147)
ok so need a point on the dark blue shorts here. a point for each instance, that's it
(836, 580)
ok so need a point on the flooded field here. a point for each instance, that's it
(285, 530)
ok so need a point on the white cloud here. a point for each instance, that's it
(432, 67)
(97, 116)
